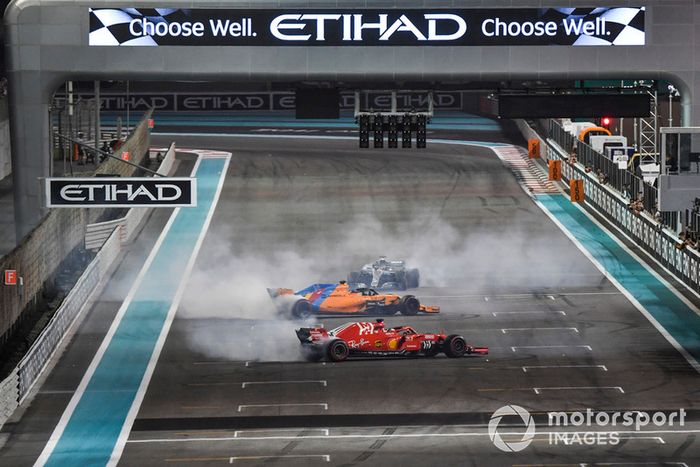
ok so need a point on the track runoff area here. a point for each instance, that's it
(197, 369)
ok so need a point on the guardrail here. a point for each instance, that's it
(33, 364)
(96, 234)
(15, 388)
(659, 242)
(624, 181)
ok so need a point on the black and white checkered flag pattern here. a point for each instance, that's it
(623, 25)
(110, 26)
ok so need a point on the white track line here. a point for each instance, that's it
(507, 330)
(659, 439)
(513, 348)
(525, 312)
(246, 384)
(325, 431)
(482, 433)
(323, 457)
(241, 408)
(578, 388)
(547, 367)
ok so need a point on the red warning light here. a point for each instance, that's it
(606, 121)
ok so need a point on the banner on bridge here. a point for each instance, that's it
(366, 27)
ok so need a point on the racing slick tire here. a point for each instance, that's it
(412, 278)
(409, 305)
(455, 346)
(337, 350)
(302, 309)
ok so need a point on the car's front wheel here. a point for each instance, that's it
(409, 305)
(455, 346)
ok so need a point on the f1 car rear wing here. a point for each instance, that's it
(274, 293)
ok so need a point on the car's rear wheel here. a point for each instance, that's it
(337, 350)
(455, 346)
(409, 305)
(302, 309)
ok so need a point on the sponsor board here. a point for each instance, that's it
(224, 101)
(601, 26)
(112, 192)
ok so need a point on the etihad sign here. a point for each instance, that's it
(305, 27)
(598, 26)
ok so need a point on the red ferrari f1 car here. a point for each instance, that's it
(374, 339)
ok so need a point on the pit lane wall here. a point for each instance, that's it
(18, 385)
(653, 236)
(40, 254)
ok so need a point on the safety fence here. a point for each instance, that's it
(602, 199)
(628, 184)
(41, 254)
(97, 233)
(15, 387)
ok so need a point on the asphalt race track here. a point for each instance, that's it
(231, 388)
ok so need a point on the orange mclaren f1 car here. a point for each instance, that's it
(339, 298)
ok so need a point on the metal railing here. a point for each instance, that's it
(643, 228)
(628, 184)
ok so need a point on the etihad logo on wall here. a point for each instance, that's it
(121, 192)
(600, 26)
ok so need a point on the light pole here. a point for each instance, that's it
(672, 92)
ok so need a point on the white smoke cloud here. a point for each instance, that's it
(227, 291)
